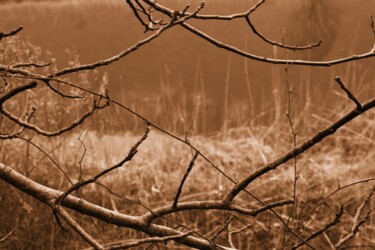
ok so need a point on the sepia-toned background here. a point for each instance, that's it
(232, 109)
(182, 74)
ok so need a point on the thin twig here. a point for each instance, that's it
(324, 199)
(73, 224)
(357, 222)
(327, 226)
(223, 228)
(210, 205)
(188, 170)
(11, 33)
(49, 157)
(49, 85)
(7, 236)
(83, 154)
(136, 14)
(80, 120)
(294, 135)
(31, 64)
(129, 157)
(347, 91)
(240, 52)
(281, 45)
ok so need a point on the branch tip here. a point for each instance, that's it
(349, 94)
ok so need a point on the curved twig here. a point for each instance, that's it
(281, 45)
(11, 33)
(298, 149)
(209, 205)
(60, 131)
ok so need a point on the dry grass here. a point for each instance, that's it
(154, 175)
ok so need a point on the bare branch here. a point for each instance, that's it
(347, 91)
(7, 236)
(48, 156)
(223, 228)
(172, 229)
(46, 194)
(164, 131)
(17, 134)
(175, 20)
(188, 170)
(235, 50)
(325, 198)
(11, 33)
(73, 224)
(135, 11)
(36, 65)
(281, 45)
(59, 92)
(210, 205)
(166, 10)
(129, 157)
(74, 124)
(331, 129)
(357, 222)
(327, 226)
(137, 243)
(16, 91)
(12, 136)
(114, 58)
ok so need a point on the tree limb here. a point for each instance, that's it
(11, 33)
(298, 149)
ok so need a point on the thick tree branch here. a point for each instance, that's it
(16, 91)
(47, 195)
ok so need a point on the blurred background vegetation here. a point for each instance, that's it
(182, 78)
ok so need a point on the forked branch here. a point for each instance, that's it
(357, 222)
(188, 170)
(93, 179)
(96, 106)
(327, 226)
(331, 129)
(222, 45)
